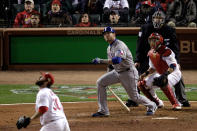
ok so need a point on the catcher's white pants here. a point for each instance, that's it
(173, 79)
(57, 125)
(128, 79)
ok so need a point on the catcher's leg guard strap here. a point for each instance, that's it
(141, 86)
(170, 95)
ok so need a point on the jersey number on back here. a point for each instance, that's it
(56, 105)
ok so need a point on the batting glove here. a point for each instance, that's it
(96, 61)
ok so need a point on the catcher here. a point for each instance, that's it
(48, 108)
(163, 72)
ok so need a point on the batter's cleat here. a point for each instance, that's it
(151, 111)
(161, 104)
(131, 103)
(176, 107)
(99, 114)
(186, 104)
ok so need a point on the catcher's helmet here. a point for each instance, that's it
(108, 29)
(155, 40)
(158, 19)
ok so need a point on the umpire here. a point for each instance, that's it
(170, 40)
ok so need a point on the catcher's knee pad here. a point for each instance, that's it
(141, 83)
(146, 92)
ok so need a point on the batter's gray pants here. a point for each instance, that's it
(128, 79)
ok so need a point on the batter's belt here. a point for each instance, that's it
(127, 69)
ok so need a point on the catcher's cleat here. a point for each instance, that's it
(151, 111)
(99, 114)
(176, 107)
(186, 104)
(131, 103)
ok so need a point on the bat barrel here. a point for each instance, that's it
(121, 102)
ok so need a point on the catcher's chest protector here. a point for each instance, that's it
(160, 65)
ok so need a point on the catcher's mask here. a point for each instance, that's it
(45, 77)
(158, 19)
(155, 40)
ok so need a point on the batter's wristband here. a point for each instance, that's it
(147, 72)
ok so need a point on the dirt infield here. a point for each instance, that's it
(71, 77)
(79, 117)
(79, 114)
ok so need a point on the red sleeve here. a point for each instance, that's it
(77, 25)
(43, 109)
(167, 53)
(17, 20)
(94, 24)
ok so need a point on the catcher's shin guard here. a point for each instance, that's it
(141, 86)
(170, 95)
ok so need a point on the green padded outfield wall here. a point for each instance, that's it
(61, 49)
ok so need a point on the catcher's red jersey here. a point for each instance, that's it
(160, 65)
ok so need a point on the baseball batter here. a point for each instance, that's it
(48, 108)
(124, 72)
(163, 72)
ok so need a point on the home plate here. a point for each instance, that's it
(165, 118)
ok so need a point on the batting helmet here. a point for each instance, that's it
(158, 19)
(155, 40)
(108, 29)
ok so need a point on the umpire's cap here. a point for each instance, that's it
(108, 29)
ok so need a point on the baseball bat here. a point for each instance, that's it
(121, 102)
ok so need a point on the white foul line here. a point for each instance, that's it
(165, 118)
(62, 102)
(34, 103)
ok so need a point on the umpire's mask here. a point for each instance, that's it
(158, 19)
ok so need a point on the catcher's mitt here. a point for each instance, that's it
(161, 81)
(23, 121)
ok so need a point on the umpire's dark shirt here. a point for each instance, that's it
(170, 40)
